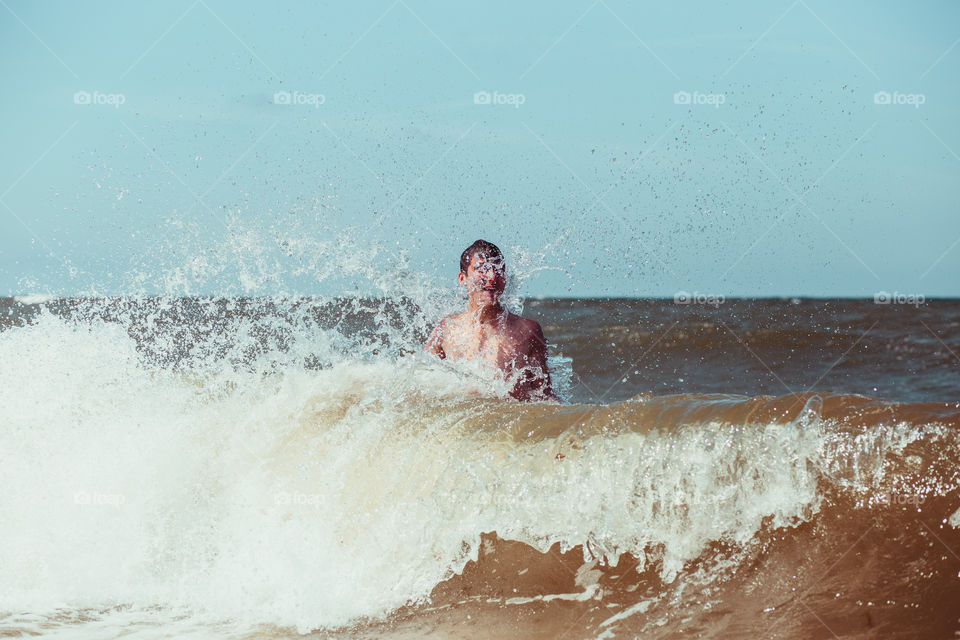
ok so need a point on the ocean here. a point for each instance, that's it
(177, 467)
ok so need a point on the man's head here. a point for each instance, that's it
(482, 270)
(488, 250)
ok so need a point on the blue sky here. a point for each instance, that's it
(740, 148)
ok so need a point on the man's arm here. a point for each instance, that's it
(434, 343)
(534, 382)
(545, 387)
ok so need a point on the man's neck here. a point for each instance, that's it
(487, 313)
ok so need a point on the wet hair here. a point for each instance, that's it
(483, 247)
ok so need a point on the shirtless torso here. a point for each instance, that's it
(487, 332)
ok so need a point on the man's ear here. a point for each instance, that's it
(461, 277)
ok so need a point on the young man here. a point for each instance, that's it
(488, 332)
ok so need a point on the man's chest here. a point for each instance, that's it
(489, 345)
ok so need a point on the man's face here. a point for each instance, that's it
(485, 277)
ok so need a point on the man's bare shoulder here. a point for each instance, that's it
(435, 343)
(525, 327)
(451, 320)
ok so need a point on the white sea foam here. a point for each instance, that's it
(35, 298)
